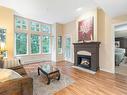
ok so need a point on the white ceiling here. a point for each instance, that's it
(121, 30)
(113, 7)
(49, 11)
(122, 27)
(62, 11)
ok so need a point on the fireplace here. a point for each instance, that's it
(86, 55)
(84, 61)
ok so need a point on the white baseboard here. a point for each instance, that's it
(107, 70)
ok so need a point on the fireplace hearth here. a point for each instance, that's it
(86, 55)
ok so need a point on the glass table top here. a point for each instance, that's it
(48, 68)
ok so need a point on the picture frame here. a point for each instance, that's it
(86, 29)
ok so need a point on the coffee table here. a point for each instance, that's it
(50, 71)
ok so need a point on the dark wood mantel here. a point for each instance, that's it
(93, 48)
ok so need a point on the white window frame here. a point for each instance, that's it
(29, 32)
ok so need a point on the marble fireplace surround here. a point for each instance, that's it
(84, 53)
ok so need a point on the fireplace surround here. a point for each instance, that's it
(86, 55)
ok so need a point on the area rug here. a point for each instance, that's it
(40, 86)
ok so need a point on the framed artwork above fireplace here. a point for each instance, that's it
(86, 29)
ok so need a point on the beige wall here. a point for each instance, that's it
(85, 16)
(7, 22)
(120, 19)
(102, 32)
(106, 37)
(59, 32)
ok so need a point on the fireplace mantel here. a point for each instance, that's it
(93, 48)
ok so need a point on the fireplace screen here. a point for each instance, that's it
(84, 61)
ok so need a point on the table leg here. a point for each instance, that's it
(48, 79)
(38, 72)
(58, 76)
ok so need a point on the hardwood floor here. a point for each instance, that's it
(101, 83)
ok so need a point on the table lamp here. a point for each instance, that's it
(2, 49)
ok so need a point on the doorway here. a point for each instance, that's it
(121, 48)
(68, 48)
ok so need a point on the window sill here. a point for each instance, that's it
(20, 55)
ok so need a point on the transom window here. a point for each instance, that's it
(35, 26)
(21, 24)
(31, 37)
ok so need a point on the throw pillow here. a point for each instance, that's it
(11, 63)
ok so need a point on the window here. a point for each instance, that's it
(3, 35)
(21, 43)
(68, 47)
(59, 44)
(46, 28)
(34, 44)
(37, 33)
(35, 27)
(17, 23)
(45, 44)
(24, 24)
(21, 24)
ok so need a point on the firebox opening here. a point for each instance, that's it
(84, 61)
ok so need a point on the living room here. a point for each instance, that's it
(40, 35)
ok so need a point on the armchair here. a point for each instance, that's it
(18, 86)
(119, 55)
(21, 86)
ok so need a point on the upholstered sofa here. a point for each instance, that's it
(21, 86)
(119, 55)
(18, 86)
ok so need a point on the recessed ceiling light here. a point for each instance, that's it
(79, 9)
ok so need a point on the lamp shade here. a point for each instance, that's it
(2, 47)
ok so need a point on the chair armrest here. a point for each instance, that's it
(27, 86)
